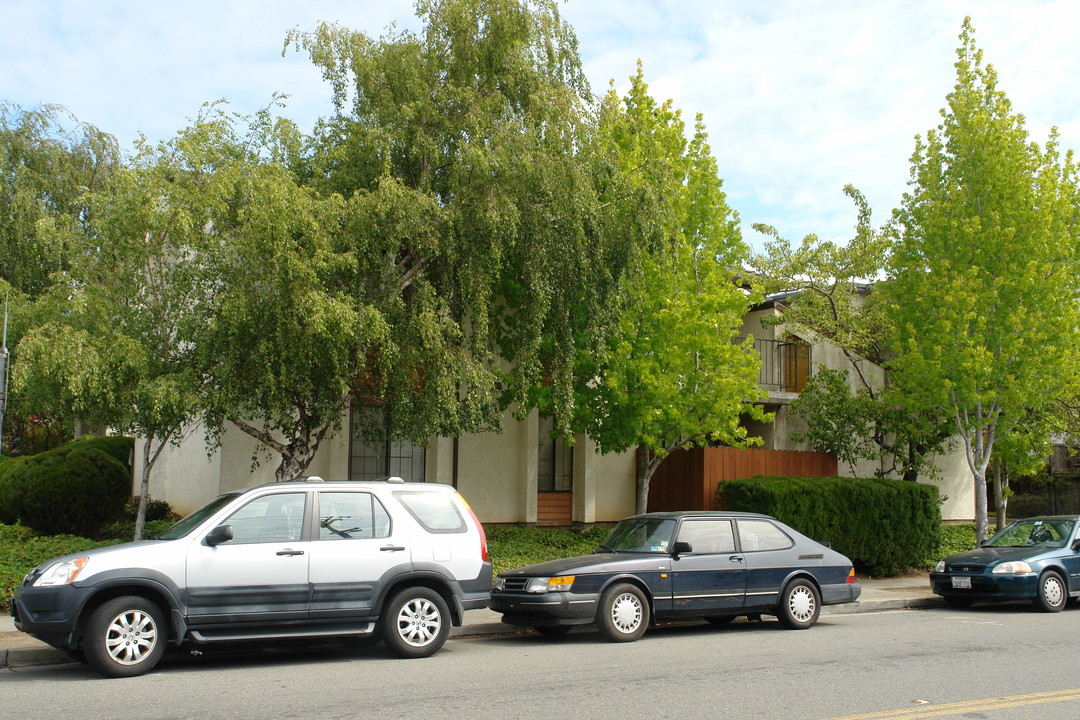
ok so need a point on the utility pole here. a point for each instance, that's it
(3, 375)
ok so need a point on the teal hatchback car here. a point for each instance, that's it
(1036, 559)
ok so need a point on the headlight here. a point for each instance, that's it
(1011, 568)
(549, 584)
(61, 573)
(499, 584)
(940, 567)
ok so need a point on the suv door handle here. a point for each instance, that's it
(392, 548)
(736, 558)
(288, 551)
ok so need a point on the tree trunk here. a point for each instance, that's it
(1001, 483)
(144, 482)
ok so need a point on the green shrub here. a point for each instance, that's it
(511, 546)
(117, 446)
(884, 526)
(8, 513)
(22, 550)
(75, 490)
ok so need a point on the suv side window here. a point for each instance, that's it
(352, 515)
(270, 518)
(708, 536)
(762, 535)
(436, 511)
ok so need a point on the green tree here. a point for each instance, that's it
(672, 375)
(470, 210)
(48, 160)
(829, 292)
(983, 274)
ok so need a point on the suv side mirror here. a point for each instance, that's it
(681, 547)
(220, 534)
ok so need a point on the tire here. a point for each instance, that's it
(416, 623)
(720, 619)
(957, 602)
(1053, 593)
(125, 637)
(799, 606)
(552, 630)
(623, 614)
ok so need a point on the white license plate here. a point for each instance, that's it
(961, 583)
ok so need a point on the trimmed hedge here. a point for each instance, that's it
(885, 526)
(76, 488)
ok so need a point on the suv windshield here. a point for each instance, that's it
(196, 518)
(1025, 533)
(640, 535)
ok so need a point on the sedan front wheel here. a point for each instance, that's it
(623, 615)
(1052, 594)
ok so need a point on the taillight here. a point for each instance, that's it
(476, 521)
(851, 577)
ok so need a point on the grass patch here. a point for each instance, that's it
(511, 546)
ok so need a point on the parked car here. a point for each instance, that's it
(359, 562)
(1037, 559)
(677, 565)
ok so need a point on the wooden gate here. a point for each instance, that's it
(687, 479)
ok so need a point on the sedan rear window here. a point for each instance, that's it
(762, 535)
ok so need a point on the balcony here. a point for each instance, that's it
(785, 364)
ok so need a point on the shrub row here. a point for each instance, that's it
(76, 488)
(885, 526)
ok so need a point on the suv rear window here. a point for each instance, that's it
(436, 511)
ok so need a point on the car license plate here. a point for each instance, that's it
(961, 583)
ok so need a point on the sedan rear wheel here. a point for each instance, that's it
(799, 605)
(623, 615)
(1052, 594)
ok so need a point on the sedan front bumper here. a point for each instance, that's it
(544, 609)
(986, 586)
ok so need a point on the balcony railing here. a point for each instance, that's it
(785, 364)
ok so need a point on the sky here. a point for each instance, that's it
(800, 97)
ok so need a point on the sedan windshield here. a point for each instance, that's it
(640, 535)
(1027, 533)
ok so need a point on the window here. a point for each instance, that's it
(352, 515)
(762, 535)
(708, 536)
(270, 518)
(436, 511)
(374, 459)
(554, 459)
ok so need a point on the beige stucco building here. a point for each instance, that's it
(523, 475)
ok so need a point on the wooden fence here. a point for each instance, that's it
(687, 479)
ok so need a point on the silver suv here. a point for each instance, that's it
(361, 562)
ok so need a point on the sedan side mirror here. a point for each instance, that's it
(681, 547)
(220, 534)
(1076, 544)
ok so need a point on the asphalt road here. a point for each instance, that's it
(1003, 663)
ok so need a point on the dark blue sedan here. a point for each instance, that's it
(681, 565)
(1037, 559)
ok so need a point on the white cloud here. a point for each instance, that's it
(799, 97)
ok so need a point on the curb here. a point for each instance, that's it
(37, 653)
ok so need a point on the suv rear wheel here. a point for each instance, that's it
(416, 623)
(125, 636)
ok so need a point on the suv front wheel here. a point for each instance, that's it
(416, 623)
(125, 636)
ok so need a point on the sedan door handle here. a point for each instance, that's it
(288, 551)
(736, 558)
(392, 548)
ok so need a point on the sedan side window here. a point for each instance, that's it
(270, 518)
(762, 535)
(351, 516)
(708, 536)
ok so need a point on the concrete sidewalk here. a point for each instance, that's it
(913, 591)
